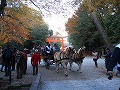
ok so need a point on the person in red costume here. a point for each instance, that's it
(34, 61)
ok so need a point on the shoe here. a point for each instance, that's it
(19, 77)
(1, 70)
(5, 75)
(13, 69)
(24, 73)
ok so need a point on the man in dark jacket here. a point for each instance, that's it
(7, 57)
(114, 60)
(107, 57)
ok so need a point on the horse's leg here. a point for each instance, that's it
(65, 63)
(71, 65)
(57, 67)
(79, 66)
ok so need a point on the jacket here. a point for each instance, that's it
(115, 58)
(35, 58)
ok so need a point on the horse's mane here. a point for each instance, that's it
(81, 52)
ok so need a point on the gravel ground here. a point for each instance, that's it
(91, 78)
(89, 72)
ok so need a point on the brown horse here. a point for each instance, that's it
(77, 58)
(63, 58)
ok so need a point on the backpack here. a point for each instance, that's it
(18, 58)
(8, 53)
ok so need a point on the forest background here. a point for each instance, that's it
(95, 25)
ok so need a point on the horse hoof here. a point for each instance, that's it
(57, 71)
(78, 70)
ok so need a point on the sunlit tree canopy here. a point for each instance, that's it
(16, 23)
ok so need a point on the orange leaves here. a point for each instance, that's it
(93, 5)
(16, 24)
(71, 24)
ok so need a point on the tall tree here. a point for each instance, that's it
(99, 11)
(82, 33)
(39, 34)
(16, 23)
(90, 7)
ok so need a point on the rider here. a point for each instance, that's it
(49, 53)
(56, 48)
(49, 49)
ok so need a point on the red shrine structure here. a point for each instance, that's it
(56, 39)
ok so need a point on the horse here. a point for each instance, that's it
(63, 58)
(77, 58)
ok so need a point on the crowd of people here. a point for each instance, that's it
(17, 59)
(13, 59)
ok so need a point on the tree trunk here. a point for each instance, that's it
(100, 29)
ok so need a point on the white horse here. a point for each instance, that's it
(63, 58)
(77, 58)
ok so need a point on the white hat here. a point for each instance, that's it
(118, 45)
(36, 50)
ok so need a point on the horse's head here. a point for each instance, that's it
(69, 51)
(81, 51)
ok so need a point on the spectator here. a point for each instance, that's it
(95, 58)
(34, 62)
(107, 57)
(56, 48)
(7, 57)
(20, 63)
(1, 59)
(114, 60)
(25, 61)
(13, 60)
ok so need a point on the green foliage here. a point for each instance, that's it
(87, 35)
(39, 34)
(28, 44)
(50, 32)
(112, 22)
(13, 45)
